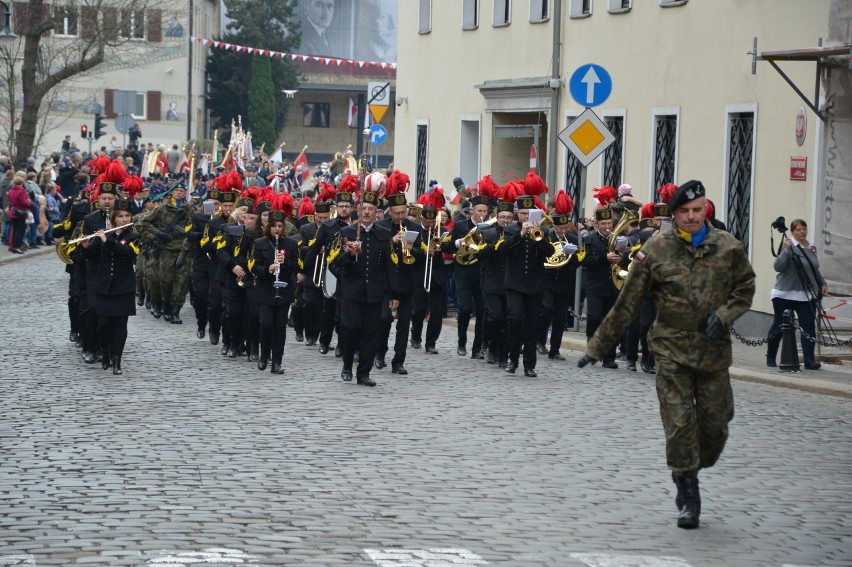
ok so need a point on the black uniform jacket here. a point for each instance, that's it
(562, 280)
(370, 276)
(407, 272)
(597, 279)
(264, 256)
(439, 272)
(448, 245)
(325, 236)
(114, 278)
(525, 259)
(492, 261)
(233, 250)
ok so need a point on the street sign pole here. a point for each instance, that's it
(578, 284)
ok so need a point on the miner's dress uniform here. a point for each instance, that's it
(600, 292)
(559, 295)
(432, 302)
(493, 271)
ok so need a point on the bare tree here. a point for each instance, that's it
(105, 28)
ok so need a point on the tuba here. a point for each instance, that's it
(619, 274)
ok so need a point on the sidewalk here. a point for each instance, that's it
(6, 256)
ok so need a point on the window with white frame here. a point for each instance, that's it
(502, 13)
(580, 8)
(424, 19)
(65, 21)
(665, 151)
(539, 10)
(470, 14)
(132, 24)
(139, 110)
(619, 6)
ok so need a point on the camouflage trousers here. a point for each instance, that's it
(141, 263)
(696, 408)
(165, 279)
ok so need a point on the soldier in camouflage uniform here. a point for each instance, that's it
(701, 282)
(169, 267)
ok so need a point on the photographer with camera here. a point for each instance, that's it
(799, 286)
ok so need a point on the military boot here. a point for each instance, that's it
(690, 502)
(176, 315)
(156, 309)
(167, 311)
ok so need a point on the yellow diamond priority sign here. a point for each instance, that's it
(587, 137)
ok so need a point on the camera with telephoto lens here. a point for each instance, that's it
(780, 225)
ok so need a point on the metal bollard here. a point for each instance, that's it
(789, 349)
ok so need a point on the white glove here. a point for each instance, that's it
(569, 248)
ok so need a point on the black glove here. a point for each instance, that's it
(164, 236)
(586, 359)
(713, 327)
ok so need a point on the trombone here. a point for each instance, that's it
(434, 236)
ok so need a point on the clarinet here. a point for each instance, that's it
(277, 284)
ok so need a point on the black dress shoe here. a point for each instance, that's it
(647, 368)
(530, 372)
(214, 338)
(116, 365)
(555, 356)
(540, 348)
(490, 357)
(346, 375)
(511, 367)
(253, 354)
(261, 364)
(310, 341)
(813, 366)
(89, 357)
(477, 355)
(323, 349)
(461, 351)
(365, 381)
(338, 351)
(225, 349)
(300, 337)
(232, 352)
(379, 363)
(72, 336)
(276, 368)
(140, 300)
(415, 344)
(610, 365)
(399, 370)
(431, 350)
(631, 365)
(105, 360)
(200, 333)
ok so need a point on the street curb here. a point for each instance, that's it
(813, 386)
(30, 254)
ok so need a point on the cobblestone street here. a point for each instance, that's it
(193, 458)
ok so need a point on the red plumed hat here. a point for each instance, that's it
(115, 172)
(667, 191)
(488, 187)
(349, 184)
(647, 211)
(327, 193)
(539, 204)
(534, 185)
(605, 195)
(377, 183)
(235, 181)
(398, 182)
(711, 212)
(284, 202)
(564, 203)
(132, 185)
(425, 199)
(98, 165)
(511, 191)
(436, 196)
(306, 208)
(256, 193)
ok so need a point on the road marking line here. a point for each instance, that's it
(424, 557)
(221, 555)
(615, 560)
(8, 560)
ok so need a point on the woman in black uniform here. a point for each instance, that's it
(276, 260)
(115, 284)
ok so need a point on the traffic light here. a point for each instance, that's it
(99, 126)
(84, 132)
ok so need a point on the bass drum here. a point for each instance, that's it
(329, 284)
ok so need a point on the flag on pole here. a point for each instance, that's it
(301, 165)
(205, 165)
(248, 149)
(277, 157)
(215, 147)
(353, 114)
(367, 119)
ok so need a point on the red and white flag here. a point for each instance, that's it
(300, 164)
(353, 114)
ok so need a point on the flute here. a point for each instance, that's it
(76, 240)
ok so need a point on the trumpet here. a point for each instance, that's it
(537, 233)
(407, 257)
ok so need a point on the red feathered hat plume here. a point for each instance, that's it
(425, 199)
(647, 211)
(98, 165)
(605, 195)
(488, 187)
(255, 193)
(349, 184)
(436, 196)
(115, 172)
(284, 202)
(377, 183)
(564, 203)
(306, 208)
(220, 182)
(511, 191)
(398, 182)
(667, 191)
(534, 185)
(132, 185)
(327, 193)
(539, 204)
(235, 181)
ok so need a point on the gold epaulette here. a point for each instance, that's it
(221, 244)
(448, 237)
(250, 264)
(424, 247)
(301, 264)
(134, 247)
(500, 241)
(311, 242)
(236, 250)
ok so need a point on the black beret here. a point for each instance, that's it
(685, 193)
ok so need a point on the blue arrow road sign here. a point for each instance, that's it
(378, 134)
(590, 85)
